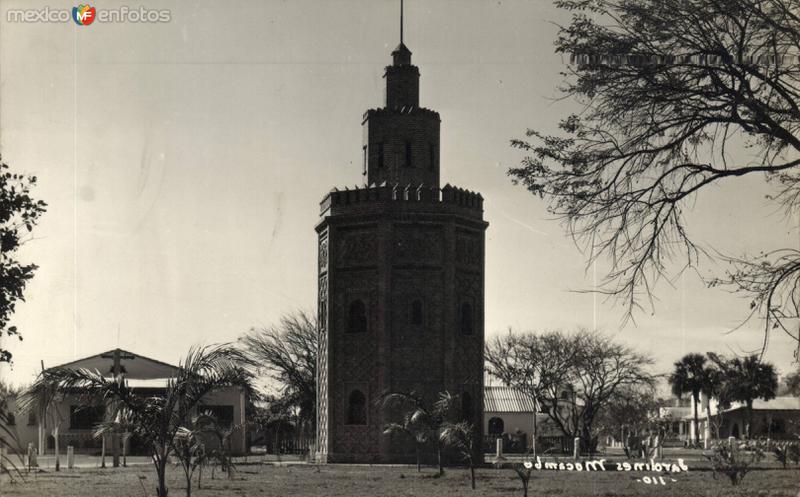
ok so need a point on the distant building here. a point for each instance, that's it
(508, 414)
(776, 419)
(77, 419)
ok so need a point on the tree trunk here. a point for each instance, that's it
(439, 455)
(161, 472)
(696, 398)
(55, 447)
(188, 483)
(535, 426)
(472, 472)
(749, 418)
(419, 467)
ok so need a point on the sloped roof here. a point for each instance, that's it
(784, 403)
(506, 399)
(134, 366)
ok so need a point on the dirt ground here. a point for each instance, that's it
(302, 480)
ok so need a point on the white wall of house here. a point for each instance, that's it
(512, 421)
(83, 440)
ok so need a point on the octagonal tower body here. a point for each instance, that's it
(401, 284)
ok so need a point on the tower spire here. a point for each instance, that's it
(401, 22)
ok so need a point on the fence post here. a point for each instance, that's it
(499, 450)
(70, 457)
(576, 448)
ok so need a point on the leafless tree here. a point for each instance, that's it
(591, 368)
(287, 353)
(669, 88)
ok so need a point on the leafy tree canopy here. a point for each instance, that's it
(19, 213)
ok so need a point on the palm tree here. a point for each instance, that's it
(751, 379)
(691, 376)
(157, 420)
(121, 425)
(190, 447)
(461, 436)
(428, 419)
(413, 425)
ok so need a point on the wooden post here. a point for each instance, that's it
(70, 457)
(55, 448)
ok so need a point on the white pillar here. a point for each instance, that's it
(70, 456)
(576, 449)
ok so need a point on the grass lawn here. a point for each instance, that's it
(380, 481)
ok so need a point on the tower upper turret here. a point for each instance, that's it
(401, 140)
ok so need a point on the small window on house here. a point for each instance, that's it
(223, 415)
(409, 163)
(467, 327)
(416, 313)
(31, 418)
(432, 156)
(365, 160)
(357, 408)
(85, 417)
(496, 426)
(357, 317)
(380, 155)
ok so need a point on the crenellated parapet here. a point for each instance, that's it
(406, 109)
(373, 196)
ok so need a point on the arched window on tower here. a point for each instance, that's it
(467, 318)
(467, 407)
(357, 317)
(416, 316)
(364, 172)
(357, 408)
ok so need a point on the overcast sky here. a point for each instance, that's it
(183, 164)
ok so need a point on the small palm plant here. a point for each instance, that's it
(412, 426)
(156, 420)
(423, 422)
(122, 426)
(461, 436)
(222, 432)
(190, 448)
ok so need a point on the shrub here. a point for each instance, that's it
(734, 462)
(793, 453)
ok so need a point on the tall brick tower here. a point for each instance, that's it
(401, 282)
